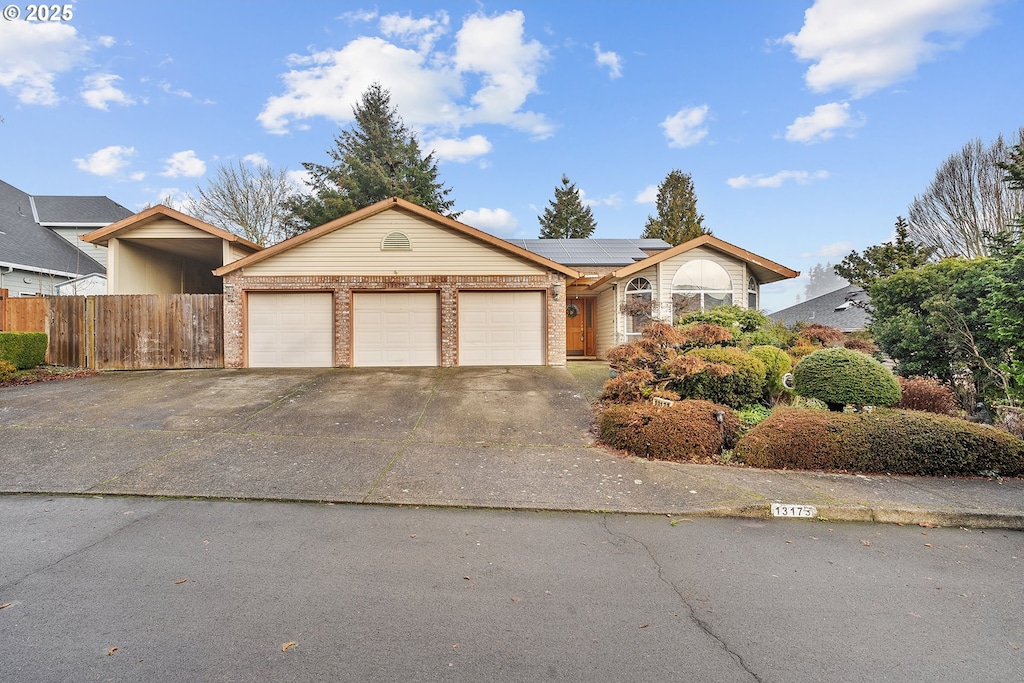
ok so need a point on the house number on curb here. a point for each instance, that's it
(790, 510)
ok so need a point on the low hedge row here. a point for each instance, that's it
(686, 431)
(24, 350)
(891, 441)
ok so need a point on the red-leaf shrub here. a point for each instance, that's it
(929, 395)
(893, 441)
(687, 431)
(626, 387)
(822, 334)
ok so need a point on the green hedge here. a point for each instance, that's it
(839, 377)
(687, 431)
(777, 363)
(23, 349)
(892, 441)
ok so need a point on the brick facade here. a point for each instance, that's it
(236, 284)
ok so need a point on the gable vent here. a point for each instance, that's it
(396, 241)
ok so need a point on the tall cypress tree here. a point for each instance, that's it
(565, 216)
(677, 220)
(377, 158)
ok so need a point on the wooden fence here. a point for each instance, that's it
(125, 332)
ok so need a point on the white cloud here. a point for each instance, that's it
(359, 15)
(611, 200)
(138, 176)
(174, 198)
(648, 195)
(100, 90)
(422, 32)
(432, 88)
(608, 59)
(301, 180)
(864, 45)
(185, 164)
(834, 249)
(107, 161)
(799, 177)
(256, 159)
(822, 123)
(498, 221)
(686, 127)
(454, 149)
(33, 54)
(106, 41)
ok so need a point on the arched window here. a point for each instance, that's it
(752, 294)
(699, 285)
(638, 305)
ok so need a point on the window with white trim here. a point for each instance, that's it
(752, 294)
(638, 305)
(699, 285)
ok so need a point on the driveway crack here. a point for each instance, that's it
(699, 622)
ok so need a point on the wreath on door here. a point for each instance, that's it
(572, 310)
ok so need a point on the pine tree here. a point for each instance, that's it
(375, 159)
(883, 260)
(566, 217)
(677, 220)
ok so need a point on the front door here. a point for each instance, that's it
(579, 327)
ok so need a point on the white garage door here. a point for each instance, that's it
(501, 328)
(392, 329)
(293, 330)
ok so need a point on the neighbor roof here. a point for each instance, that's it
(395, 203)
(593, 252)
(55, 211)
(27, 245)
(836, 309)
(765, 270)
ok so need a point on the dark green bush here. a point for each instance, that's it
(743, 386)
(776, 363)
(839, 377)
(892, 441)
(23, 349)
(729, 317)
(687, 431)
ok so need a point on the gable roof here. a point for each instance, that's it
(395, 204)
(593, 251)
(834, 309)
(765, 270)
(122, 227)
(27, 245)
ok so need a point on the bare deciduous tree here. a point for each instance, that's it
(966, 199)
(246, 200)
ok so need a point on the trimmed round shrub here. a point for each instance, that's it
(687, 431)
(743, 386)
(839, 377)
(776, 363)
(890, 441)
(929, 395)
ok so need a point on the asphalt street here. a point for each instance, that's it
(148, 589)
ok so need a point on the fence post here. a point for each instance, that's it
(90, 333)
(3, 310)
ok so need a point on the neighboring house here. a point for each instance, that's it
(843, 309)
(87, 285)
(39, 245)
(163, 251)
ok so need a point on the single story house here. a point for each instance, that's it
(39, 245)
(844, 309)
(396, 284)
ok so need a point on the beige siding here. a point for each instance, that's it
(355, 250)
(233, 252)
(166, 228)
(95, 251)
(735, 268)
(137, 270)
(605, 314)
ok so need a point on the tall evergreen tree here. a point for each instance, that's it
(822, 279)
(883, 260)
(677, 220)
(566, 216)
(377, 158)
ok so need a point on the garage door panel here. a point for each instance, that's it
(392, 329)
(501, 328)
(294, 329)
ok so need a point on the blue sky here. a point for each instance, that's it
(807, 126)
